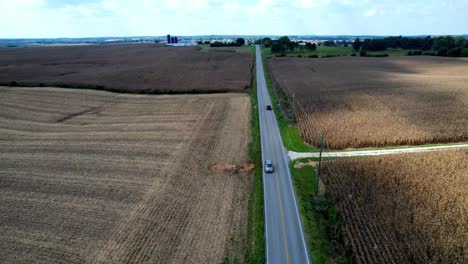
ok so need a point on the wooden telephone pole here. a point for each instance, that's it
(320, 163)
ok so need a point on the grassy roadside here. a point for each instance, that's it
(289, 134)
(255, 243)
(253, 238)
(319, 216)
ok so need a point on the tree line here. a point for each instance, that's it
(441, 46)
(438, 46)
(284, 44)
(239, 42)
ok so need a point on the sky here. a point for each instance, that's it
(104, 18)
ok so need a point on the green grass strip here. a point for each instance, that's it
(317, 226)
(255, 249)
(290, 135)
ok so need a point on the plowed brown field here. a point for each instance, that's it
(139, 67)
(408, 208)
(95, 177)
(374, 102)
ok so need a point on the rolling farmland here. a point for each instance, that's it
(409, 208)
(376, 102)
(96, 177)
(142, 68)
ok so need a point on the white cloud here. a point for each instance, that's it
(72, 18)
(371, 12)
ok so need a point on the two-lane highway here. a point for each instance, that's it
(285, 241)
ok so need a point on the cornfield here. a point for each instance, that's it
(410, 208)
(375, 102)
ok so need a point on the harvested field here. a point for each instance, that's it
(409, 208)
(374, 102)
(96, 177)
(130, 68)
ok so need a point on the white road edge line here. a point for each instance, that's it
(286, 160)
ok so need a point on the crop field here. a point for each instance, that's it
(140, 68)
(409, 208)
(376, 102)
(97, 177)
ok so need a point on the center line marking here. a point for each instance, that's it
(279, 197)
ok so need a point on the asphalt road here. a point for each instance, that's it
(285, 239)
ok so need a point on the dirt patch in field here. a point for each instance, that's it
(130, 68)
(247, 167)
(222, 168)
(125, 184)
(230, 168)
(299, 164)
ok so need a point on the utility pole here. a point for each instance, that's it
(320, 163)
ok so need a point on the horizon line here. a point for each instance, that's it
(241, 35)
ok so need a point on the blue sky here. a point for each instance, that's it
(92, 18)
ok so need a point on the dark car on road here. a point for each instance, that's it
(268, 107)
(269, 166)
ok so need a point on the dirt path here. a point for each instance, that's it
(298, 155)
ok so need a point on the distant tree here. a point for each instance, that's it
(329, 43)
(366, 44)
(292, 45)
(218, 44)
(427, 43)
(282, 44)
(454, 52)
(284, 41)
(442, 51)
(267, 42)
(357, 44)
(378, 45)
(443, 42)
(464, 53)
(314, 46)
(240, 41)
(311, 46)
(460, 42)
(277, 47)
